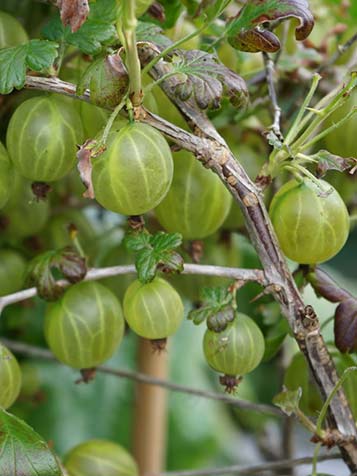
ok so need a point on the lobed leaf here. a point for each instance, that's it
(288, 400)
(153, 252)
(37, 55)
(216, 309)
(96, 32)
(23, 451)
(327, 161)
(201, 75)
(248, 30)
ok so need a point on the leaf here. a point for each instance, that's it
(23, 451)
(288, 400)
(107, 80)
(210, 9)
(149, 31)
(327, 161)
(248, 32)
(96, 32)
(37, 55)
(70, 265)
(326, 287)
(274, 338)
(345, 328)
(216, 309)
(73, 12)
(153, 252)
(87, 151)
(201, 75)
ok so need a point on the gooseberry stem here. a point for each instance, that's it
(111, 120)
(127, 30)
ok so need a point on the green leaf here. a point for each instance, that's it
(153, 252)
(248, 32)
(96, 32)
(67, 262)
(216, 309)
(201, 75)
(210, 9)
(37, 55)
(288, 400)
(23, 451)
(150, 32)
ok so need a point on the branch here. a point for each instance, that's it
(248, 470)
(94, 274)
(340, 51)
(41, 353)
(269, 74)
(210, 148)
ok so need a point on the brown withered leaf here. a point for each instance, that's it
(327, 161)
(73, 12)
(346, 325)
(86, 152)
(326, 287)
(251, 31)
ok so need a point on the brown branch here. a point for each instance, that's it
(41, 353)
(210, 148)
(94, 274)
(340, 51)
(249, 470)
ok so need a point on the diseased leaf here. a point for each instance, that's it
(346, 325)
(202, 75)
(326, 287)
(107, 80)
(70, 265)
(37, 55)
(153, 252)
(73, 12)
(23, 451)
(288, 400)
(248, 31)
(327, 161)
(96, 32)
(216, 309)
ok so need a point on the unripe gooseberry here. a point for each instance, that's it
(311, 220)
(12, 32)
(42, 138)
(135, 172)
(85, 326)
(12, 271)
(5, 176)
(153, 310)
(197, 202)
(10, 378)
(237, 350)
(100, 457)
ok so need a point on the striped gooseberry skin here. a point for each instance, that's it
(85, 326)
(153, 310)
(197, 203)
(12, 32)
(237, 350)
(100, 458)
(5, 176)
(10, 378)
(135, 172)
(12, 271)
(311, 222)
(42, 138)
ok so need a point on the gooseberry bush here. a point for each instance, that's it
(177, 183)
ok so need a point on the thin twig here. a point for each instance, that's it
(339, 52)
(248, 470)
(94, 274)
(269, 72)
(41, 353)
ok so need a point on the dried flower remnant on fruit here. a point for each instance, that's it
(229, 382)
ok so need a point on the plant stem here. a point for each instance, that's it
(111, 120)
(269, 69)
(132, 62)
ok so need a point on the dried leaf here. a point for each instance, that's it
(202, 75)
(346, 325)
(86, 152)
(327, 161)
(73, 12)
(248, 32)
(326, 287)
